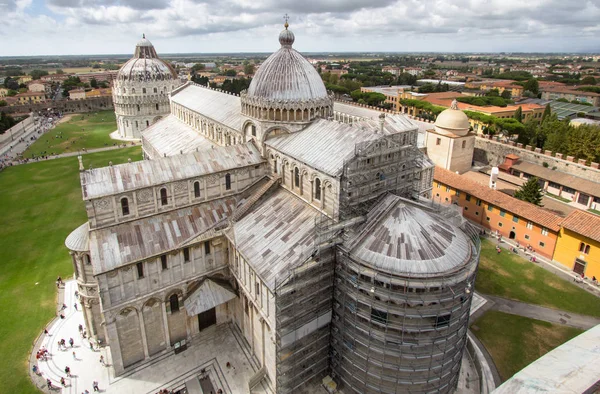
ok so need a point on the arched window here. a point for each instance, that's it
(317, 189)
(157, 107)
(587, 249)
(164, 200)
(227, 182)
(296, 177)
(138, 108)
(174, 302)
(125, 206)
(132, 90)
(581, 247)
(275, 165)
(147, 123)
(144, 90)
(196, 189)
(155, 90)
(86, 258)
(253, 131)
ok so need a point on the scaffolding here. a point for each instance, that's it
(391, 163)
(393, 333)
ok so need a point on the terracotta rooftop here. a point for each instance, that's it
(510, 204)
(583, 223)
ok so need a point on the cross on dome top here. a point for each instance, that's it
(286, 18)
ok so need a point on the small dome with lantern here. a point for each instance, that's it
(452, 120)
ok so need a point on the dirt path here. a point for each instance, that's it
(65, 118)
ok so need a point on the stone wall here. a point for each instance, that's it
(493, 153)
(65, 106)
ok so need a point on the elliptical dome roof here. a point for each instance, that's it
(453, 120)
(287, 75)
(145, 65)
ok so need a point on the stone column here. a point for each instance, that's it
(166, 324)
(115, 347)
(143, 332)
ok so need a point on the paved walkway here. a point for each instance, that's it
(206, 357)
(543, 313)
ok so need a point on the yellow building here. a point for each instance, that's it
(3, 92)
(25, 79)
(30, 98)
(578, 245)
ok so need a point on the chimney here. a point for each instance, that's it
(493, 177)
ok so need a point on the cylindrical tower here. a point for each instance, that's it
(87, 286)
(402, 299)
(141, 90)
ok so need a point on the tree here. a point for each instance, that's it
(11, 84)
(249, 69)
(199, 80)
(532, 85)
(37, 74)
(530, 192)
(59, 71)
(506, 94)
(230, 73)
(589, 80)
(198, 67)
(94, 83)
(518, 114)
(547, 112)
(3, 103)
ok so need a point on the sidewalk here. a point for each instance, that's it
(542, 313)
(86, 367)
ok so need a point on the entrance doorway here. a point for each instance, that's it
(207, 319)
(579, 266)
(512, 235)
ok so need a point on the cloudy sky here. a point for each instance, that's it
(47, 27)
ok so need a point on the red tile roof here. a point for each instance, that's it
(510, 204)
(583, 223)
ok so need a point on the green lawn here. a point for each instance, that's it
(40, 204)
(90, 130)
(512, 276)
(515, 341)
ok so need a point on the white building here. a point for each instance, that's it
(141, 90)
(261, 212)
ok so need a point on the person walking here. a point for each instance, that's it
(102, 360)
(49, 384)
(68, 371)
(71, 342)
(75, 305)
(95, 386)
(74, 356)
(63, 382)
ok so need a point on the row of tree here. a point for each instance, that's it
(581, 142)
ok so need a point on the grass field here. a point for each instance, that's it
(515, 341)
(512, 276)
(88, 131)
(40, 204)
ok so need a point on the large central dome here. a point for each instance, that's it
(145, 65)
(287, 75)
(286, 87)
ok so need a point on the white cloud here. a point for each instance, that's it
(113, 26)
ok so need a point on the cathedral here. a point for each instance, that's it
(301, 221)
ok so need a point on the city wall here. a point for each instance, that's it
(493, 152)
(65, 106)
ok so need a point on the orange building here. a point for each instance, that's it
(514, 219)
